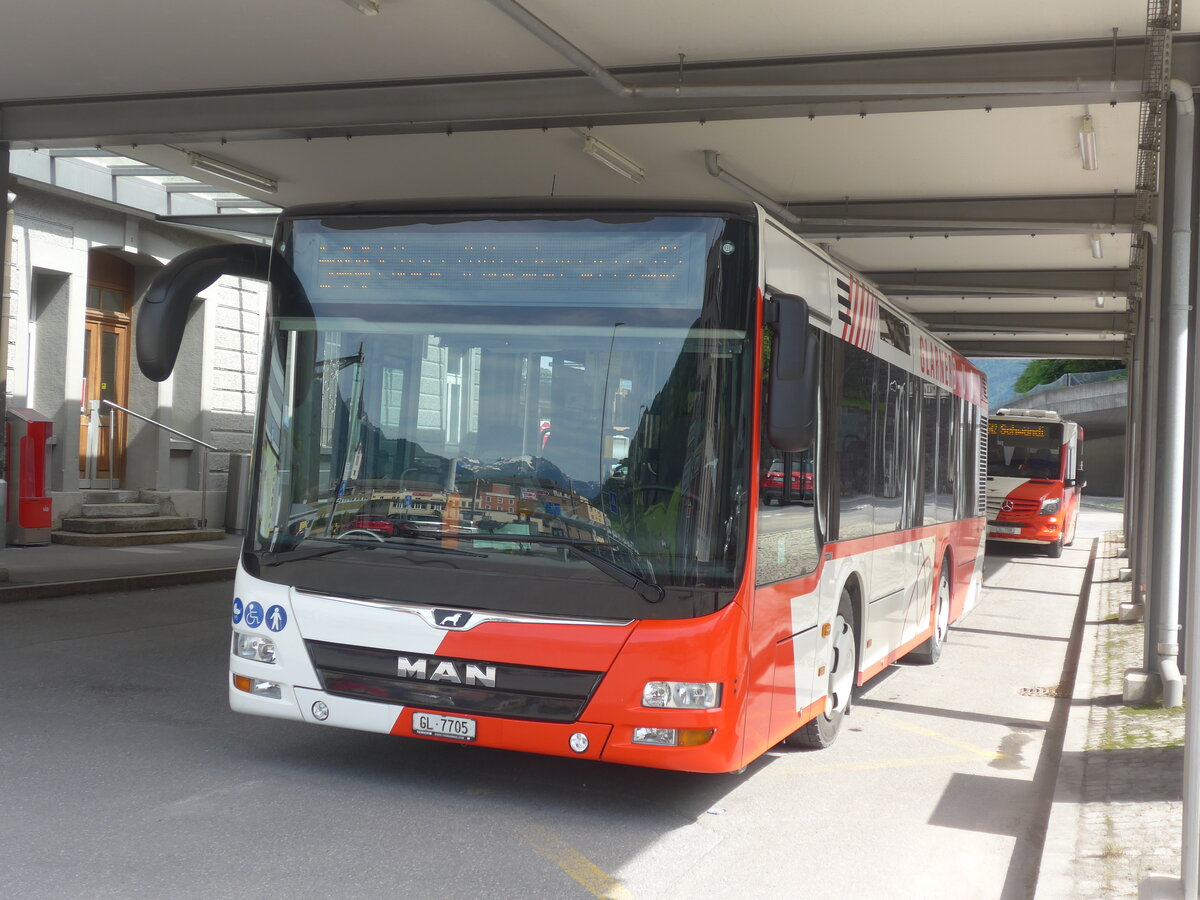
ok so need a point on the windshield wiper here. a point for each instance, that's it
(648, 590)
(337, 546)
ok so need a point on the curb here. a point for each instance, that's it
(15, 593)
(1057, 870)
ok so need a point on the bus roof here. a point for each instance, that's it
(521, 205)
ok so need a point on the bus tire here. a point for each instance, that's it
(822, 731)
(1054, 551)
(931, 651)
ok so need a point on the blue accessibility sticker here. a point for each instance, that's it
(238, 606)
(254, 614)
(276, 618)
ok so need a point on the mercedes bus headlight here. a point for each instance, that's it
(1049, 507)
(255, 647)
(682, 694)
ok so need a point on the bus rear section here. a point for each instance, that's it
(591, 483)
(1034, 478)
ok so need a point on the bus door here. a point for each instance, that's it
(897, 558)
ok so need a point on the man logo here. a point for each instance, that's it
(1007, 506)
(444, 670)
(449, 618)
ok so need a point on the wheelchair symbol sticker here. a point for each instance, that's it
(254, 614)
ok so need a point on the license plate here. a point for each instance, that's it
(454, 727)
(1006, 529)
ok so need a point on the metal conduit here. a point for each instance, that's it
(1143, 573)
(610, 82)
(1172, 406)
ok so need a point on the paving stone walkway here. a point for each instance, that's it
(1126, 763)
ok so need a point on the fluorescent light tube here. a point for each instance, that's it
(233, 173)
(614, 159)
(1087, 144)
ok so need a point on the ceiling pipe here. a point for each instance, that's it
(957, 291)
(969, 225)
(610, 82)
(557, 42)
(712, 162)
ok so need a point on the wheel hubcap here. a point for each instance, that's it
(943, 610)
(841, 671)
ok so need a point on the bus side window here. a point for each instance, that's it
(854, 417)
(891, 444)
(789, 543)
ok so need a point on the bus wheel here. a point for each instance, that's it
(931, 651)
(823, 730)
(1054, 551)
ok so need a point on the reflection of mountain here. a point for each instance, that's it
(524, 469)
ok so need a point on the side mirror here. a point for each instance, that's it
(162, 315)
(791, 389)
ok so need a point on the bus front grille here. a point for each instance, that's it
(452, 684)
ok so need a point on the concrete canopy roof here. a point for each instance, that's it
(933, 146)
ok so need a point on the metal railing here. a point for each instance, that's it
(204, 448)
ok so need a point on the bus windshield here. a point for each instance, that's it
(1024, 449)
(442, 381)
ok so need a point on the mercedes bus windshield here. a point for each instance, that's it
(1024, 449)
(531, 390)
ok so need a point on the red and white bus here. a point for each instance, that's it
(762, 486)
(1034, 478)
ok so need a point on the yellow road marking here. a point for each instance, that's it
(925, 732)
(598, 882)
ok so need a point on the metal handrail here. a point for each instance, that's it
(159, 425)
(187, 437)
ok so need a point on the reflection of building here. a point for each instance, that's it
(86, 243)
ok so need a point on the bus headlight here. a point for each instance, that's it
(1050, 506)
(255, 647)
(682, 694)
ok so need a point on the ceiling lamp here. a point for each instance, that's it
(366, 7)
(233, 173)
(1087, 144)
(1097, 247)
(615, 160)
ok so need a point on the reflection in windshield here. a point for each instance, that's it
(614, 426)
(1026, 456)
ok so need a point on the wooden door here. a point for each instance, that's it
(106, 366)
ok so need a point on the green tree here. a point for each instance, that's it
(1047, 371)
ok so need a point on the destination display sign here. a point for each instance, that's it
(615, 266)
(1021, 430)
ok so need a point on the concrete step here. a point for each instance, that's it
(127, 524)
(111, 496)
(136, 539)
(117, 510)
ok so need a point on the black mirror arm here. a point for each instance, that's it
(162, 314)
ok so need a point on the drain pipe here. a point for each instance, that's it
(1190, 855)
(712, 162)
(1173, 396)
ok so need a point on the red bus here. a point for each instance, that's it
(1035, 478)
(633, 584)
